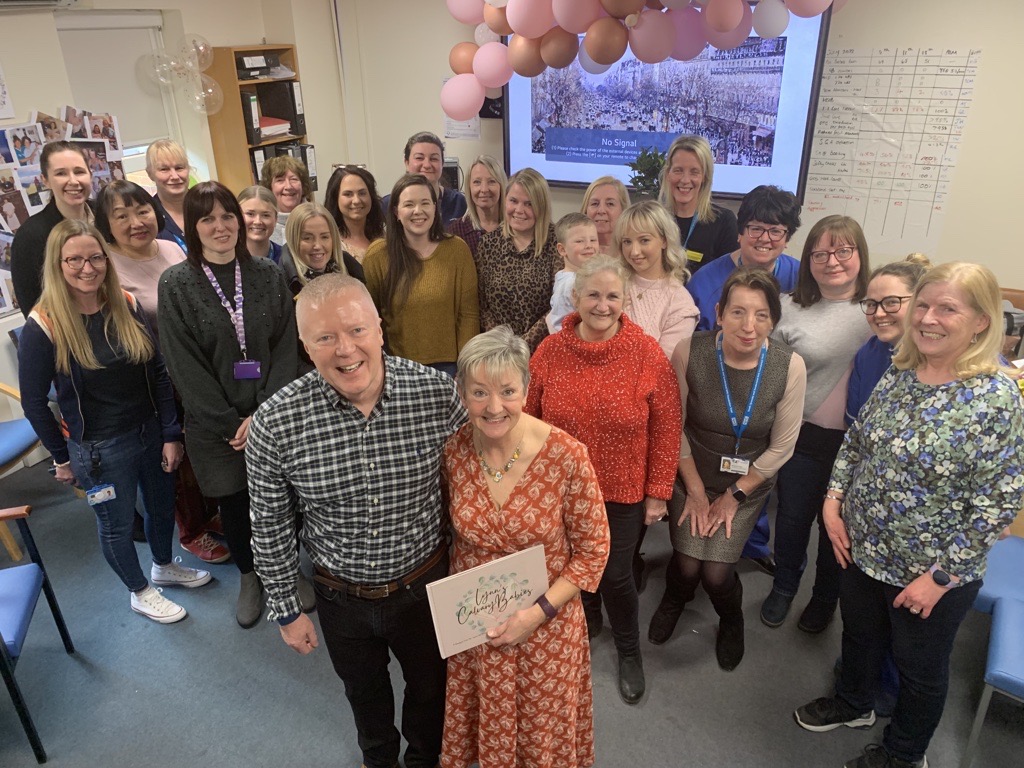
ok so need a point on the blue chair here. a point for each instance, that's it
(19, 590)
(1004, 671)
(1004, 576)
(17, 440)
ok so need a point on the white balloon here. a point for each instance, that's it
(484, 34)
(771, 17)
(589, 65)
(497, 3)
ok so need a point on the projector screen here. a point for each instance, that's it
(755, 104)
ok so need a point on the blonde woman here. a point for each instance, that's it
(314, 248)
(603, 202)
(485, 201)
(516, 263)
(167, 167)
(259, 209)
(707, 230)
(91, 339)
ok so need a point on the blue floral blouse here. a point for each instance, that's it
(932, 474)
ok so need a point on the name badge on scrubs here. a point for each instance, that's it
(695, 256)
(734, 465)
(100, 494)
(247, 369)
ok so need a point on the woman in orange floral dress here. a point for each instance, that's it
(524, 698)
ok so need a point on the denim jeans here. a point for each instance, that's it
(803, 481)
(130, 462)
(618, 588)
(757, 541)
(359, 635)
(920, 647)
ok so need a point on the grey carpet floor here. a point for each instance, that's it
(204, 692)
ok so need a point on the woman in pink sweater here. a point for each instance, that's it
(609, 385)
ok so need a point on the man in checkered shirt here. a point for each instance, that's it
(355, 447)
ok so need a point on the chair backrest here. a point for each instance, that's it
(15, 334)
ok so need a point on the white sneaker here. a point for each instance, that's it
(177, 575)
(153, 605)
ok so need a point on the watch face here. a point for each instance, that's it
(941, 578)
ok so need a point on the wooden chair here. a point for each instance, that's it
(17, 440)
(19, 591)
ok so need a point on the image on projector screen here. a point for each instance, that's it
(729, 97)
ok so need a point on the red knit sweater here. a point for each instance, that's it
(618, 397)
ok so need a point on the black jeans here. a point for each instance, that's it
(617, 588)
(921, 648)
(360, 636)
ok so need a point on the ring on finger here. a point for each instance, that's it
(915, 611)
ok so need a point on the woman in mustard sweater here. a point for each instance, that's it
(422, 279)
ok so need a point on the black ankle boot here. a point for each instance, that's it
(729, 607)
(678, 592)
(631, 678)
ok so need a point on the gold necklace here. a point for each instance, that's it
(496, 475)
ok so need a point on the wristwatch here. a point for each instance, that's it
(942, 578)
(737, 493)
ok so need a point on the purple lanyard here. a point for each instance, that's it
(237, 318)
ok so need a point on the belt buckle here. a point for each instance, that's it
(373, 593)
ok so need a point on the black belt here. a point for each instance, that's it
(328, 579)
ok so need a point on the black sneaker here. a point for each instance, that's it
(831, 712)
(876, 756)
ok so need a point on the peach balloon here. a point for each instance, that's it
(576, 15)
(652, 38)
(524, 56)
(620, 9)
(460, 59)
(496, 19)
(690, 39)
(606, 41)
(558, 48)
(807, 9)
(530, 18)
(724, 15)
(462, 97)
(728, 40)
(467, 11)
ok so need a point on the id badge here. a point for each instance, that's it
(734, 465)
(99, 494)
(694, 256)
(247, 369)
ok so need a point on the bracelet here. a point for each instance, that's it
(545, 605)
(832, 496)
(61, 466)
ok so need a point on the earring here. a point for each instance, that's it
(974, 339)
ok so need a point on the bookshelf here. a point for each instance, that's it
(232, 145)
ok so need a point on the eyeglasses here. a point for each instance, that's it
(889, 304)
(774, 233)
(77, 263)
(842, 254)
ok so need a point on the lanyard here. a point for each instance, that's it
(237, 318)
(180, 242)
(693, 224)
(738, 427)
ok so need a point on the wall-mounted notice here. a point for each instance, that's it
(886, 140)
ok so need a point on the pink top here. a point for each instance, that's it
(663, 308)
(142, 276)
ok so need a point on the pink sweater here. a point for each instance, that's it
(664, 309)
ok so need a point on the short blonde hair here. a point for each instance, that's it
(495, 351)
(649, 216)
(495, 169)
(600, 263)
(982, 290)
(293, 236)
(606, 181)
(168, 148)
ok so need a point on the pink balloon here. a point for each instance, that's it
(652, 38)
(490, 65)
(690, 39)
(733, 37)
(576, 16)
(467, 11)
(807, 9)
(724, 15)
(462, 97)
(530, 18)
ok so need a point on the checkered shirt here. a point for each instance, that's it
(369, 488)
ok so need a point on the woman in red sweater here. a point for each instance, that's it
(609, 385)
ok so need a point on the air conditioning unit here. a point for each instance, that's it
(15, 5)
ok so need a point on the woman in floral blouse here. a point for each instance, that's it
(923, 485)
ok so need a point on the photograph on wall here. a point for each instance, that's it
(99, 157)
(104, 127)
(36, 193)
(25, 143)
(75, 118)
(6, 243)
(6, 107)
(53, 128)
(7, 305)
(7, 291)
(13, 205)
(6, 156)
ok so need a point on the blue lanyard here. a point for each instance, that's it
(237, 318)
(693, 224)
(738, 427)
(180, 242)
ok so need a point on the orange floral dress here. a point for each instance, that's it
(528, 705)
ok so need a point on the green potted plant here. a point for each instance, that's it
(646, 173)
